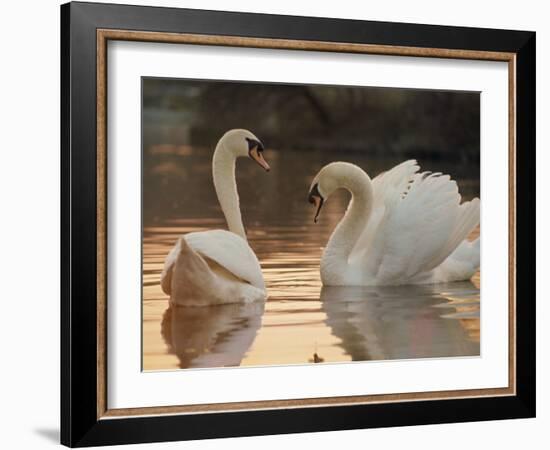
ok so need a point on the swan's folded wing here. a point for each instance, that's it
(166, 275)
(387, 187)
(416, 231)
(230, 251)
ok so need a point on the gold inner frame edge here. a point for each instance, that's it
(104, 35)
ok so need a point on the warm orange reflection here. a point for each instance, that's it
(301, 322)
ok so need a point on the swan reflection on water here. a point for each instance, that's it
(211, 336)
(400, 322)
(368, 323)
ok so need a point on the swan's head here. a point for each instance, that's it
(244, 143)
(333, 176)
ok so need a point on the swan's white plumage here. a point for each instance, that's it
(416, 228)
(387, 187)
(225, 248)
(415, 231)
(217, 266)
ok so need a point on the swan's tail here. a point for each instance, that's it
(181, 263)
(468, 253)
(467, 220)
(463, 263)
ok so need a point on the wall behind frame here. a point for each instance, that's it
(29, 336)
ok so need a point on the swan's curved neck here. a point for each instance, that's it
(348, 231)
(223, 173)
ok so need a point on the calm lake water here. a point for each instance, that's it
(302, 321)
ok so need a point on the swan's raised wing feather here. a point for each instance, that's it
(225, 248)
(387, 187)
(420, 227)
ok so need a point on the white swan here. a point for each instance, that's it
(218, 266)
(403, 227)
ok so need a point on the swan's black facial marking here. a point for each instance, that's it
(254, 144)
(255, 151)
(315, 198)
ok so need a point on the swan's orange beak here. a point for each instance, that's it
(258, 156)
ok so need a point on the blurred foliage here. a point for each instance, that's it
(307, 126)
(404, 122)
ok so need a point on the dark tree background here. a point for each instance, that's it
(303, 127)
(404, 122)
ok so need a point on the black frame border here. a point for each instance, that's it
(79, 423)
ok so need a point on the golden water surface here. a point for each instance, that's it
(301, 322)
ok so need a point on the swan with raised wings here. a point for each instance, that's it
(218, 266)
(402, 227)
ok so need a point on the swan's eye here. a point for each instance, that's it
(254, 144)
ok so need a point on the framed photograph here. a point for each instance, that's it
(277, 224)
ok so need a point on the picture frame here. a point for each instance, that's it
(86, 28)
